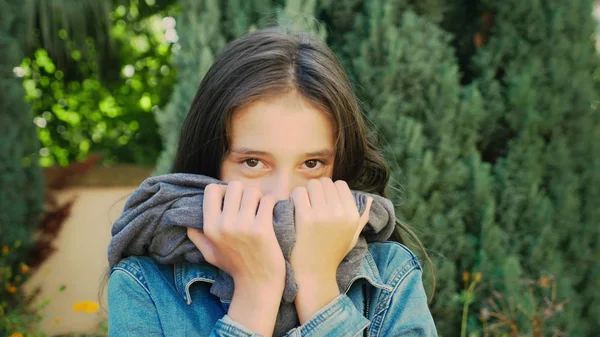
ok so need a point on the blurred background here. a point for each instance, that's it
(488, 112)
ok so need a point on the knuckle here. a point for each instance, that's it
(228, 231)
(341, 184)
(338, 213)
(253, 192)
(325, 180)
(324, 217)
(211, 190)
(305, 218)
(267, 199)
(313, 183)
(234, 185)
(226, 222)
(300, 190)
(255, 232)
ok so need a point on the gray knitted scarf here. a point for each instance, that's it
(156, 216)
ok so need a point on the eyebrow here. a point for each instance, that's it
(247, 151)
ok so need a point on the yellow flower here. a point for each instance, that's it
(16, 334)
(477, 277)
(544, 282)
(87, 306)
(466, 276)
(24, 268)
(12, 289)
(5, 249)
(57, 320)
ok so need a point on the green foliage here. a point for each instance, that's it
(89, 107)
(494, 149)
(536, 76)
(21, 181)
(16, 312)
(47, 22)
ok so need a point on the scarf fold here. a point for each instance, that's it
(156, 216)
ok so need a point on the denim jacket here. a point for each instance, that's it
(385, 298)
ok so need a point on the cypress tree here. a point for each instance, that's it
(535, 73)
(21, 181)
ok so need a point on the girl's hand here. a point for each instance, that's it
(241, 241)
(238, 239)
(327, 226)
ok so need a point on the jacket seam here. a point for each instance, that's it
(177, 279)
(383, 312)
(329, 310)
(126, 271)
(408, 251)
(363, 329)
(127, 264)
(189, 284)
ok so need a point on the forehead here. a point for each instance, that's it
(281, 124)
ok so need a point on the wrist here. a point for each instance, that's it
(255, 306)
(312, 277)
(274, 283)
(314, 293)
(266, 291)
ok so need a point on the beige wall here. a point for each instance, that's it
(80, 261)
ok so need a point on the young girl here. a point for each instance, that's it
(274, 135)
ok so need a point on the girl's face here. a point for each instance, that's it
(278, 144)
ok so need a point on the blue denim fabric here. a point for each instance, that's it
(149, 299)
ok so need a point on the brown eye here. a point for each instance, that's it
(251, 162)
(311, 163)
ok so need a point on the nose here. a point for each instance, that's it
(279, 185)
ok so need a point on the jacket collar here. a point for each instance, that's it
(187, 274)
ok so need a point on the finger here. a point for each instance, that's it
(364, 217)
(264, 216)
(213, 199)
(211, 207)
(332, 197)
(315, 193)
(202, 243)
(300, 199)
(233, 198)
(250, 200)
(346, 197)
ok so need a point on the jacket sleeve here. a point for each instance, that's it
(408, 314)
(132, 311)
(338, 318)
